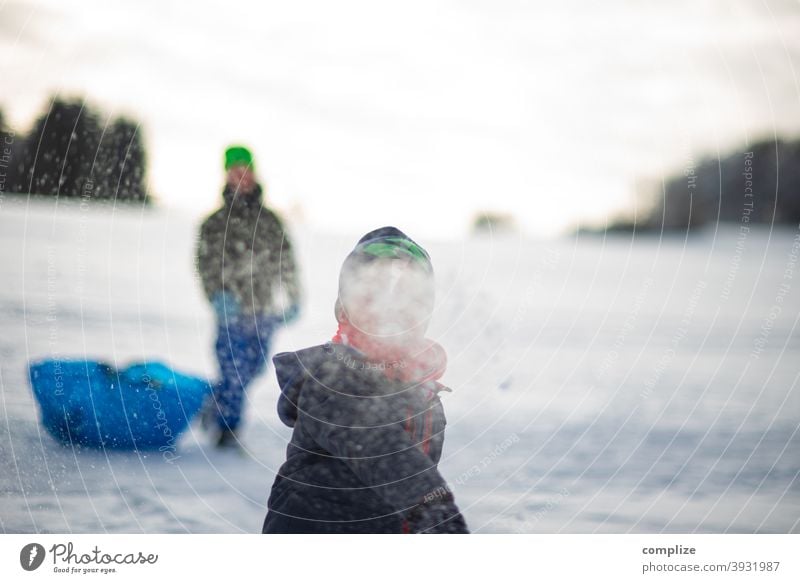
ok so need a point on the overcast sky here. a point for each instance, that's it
(416, 113)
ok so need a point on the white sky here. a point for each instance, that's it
(416, 113)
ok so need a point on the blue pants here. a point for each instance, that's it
(242, 349)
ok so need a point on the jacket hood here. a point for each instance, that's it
(293, 369)
(291, 373)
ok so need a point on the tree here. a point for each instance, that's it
(121, 166)
(60, 149)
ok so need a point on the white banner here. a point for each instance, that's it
(401, 558)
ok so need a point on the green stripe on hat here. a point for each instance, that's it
(395, 247)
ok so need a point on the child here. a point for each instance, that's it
(244, 257)
(368, 422)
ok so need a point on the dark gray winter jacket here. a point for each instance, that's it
(243, 249)
(364, 450)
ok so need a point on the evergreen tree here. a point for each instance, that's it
(60, 150)
(121, 165)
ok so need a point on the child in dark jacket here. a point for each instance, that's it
(368, 424)
(245, 260)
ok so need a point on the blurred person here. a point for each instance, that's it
(248, 272)
(368, 424)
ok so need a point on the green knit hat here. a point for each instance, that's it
(238, 156)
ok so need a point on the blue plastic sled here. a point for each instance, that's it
(90, 403)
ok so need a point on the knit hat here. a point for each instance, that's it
(238, 156)
(386, 286)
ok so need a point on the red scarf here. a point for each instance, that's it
(422, 362)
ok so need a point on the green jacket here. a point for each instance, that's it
(243, 249)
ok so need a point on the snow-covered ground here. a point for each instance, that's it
(599, 386)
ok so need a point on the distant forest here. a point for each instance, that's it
(759, 184)
(75, 151)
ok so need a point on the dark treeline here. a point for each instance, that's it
(759, 184)
(74, 151)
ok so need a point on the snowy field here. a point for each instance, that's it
(599, 386)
